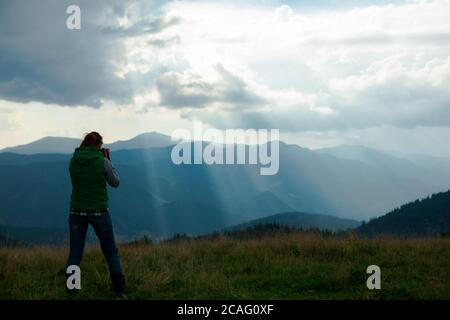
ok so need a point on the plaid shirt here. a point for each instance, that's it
(94, 212)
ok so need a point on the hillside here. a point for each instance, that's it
(303, 221)
(426, 217)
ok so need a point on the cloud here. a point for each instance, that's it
(142, 26)
(6, 124)
(41, 60)
(400, 91)
(162, 43)
(283, 12)
(397, 92)
(177, 93)
(235, 65)
(359, 68)
(190, 90)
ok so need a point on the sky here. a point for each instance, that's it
(374, 73)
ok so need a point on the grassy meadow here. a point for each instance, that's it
(294, 265)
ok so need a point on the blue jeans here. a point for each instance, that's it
(103, 228)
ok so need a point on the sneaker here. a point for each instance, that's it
(118, 282)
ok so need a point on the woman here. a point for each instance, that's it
(90, 170)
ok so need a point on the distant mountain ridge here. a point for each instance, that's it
(142, 141)
(68, 145)
(360, 153)
(45, 145)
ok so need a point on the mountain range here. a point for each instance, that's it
(159, 198)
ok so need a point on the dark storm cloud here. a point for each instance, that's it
(41, 60)
(194, 92)
(173, 93)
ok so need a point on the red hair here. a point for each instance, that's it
(92, 139)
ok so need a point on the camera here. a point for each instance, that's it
(106, 152)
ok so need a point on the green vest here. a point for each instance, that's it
(87, 171)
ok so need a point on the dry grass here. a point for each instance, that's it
(292, 266)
